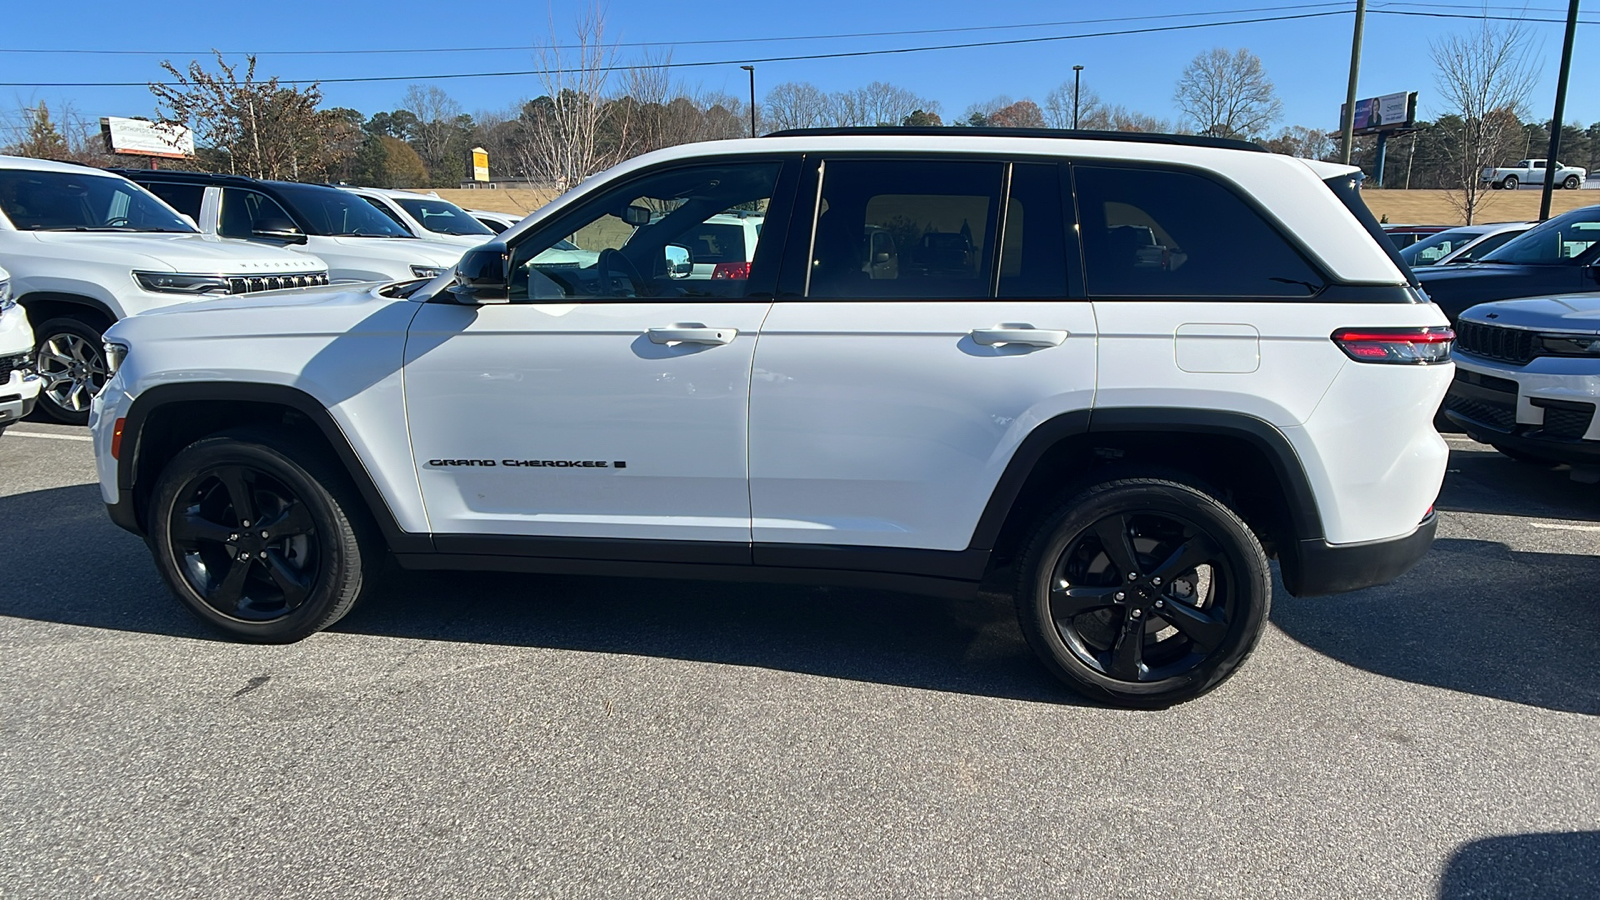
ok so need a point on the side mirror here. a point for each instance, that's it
(636, 215)
(680, 262)
(278, 229)
(880, 257)
(482, 275)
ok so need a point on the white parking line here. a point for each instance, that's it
(52, 437)
(1556, 527)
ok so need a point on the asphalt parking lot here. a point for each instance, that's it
(473, 735)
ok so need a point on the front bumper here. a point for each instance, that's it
(1316, 567)
(1547, 414)
(17, 397)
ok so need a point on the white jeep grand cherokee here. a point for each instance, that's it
(1028, 391)
(87, 247)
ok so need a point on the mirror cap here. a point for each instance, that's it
(483, 274)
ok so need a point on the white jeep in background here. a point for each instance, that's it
(1024, 388)
(427, 215)
(1533, 171)
(19, 387)
(86, 248)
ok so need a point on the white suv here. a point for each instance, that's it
(1028, 392)
(86, 248)
(427, 215)
(19, 387)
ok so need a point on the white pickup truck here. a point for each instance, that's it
(1532, 171)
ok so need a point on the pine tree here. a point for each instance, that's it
(44, 141)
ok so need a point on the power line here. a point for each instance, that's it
(727, 62)
(691, 43)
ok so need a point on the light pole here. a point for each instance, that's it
(752, 71)
(1077, 78)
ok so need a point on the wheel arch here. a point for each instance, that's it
(164, 419)
(45, 305)
(1224, 451)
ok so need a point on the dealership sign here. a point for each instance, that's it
(141, 137)
(480, 164)
(1387, 113)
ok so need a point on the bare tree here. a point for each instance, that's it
(1227, 94)
(878, 103)
(795, 104)
(1484, 79)
(441, 132)
(562, 135)
(1058, 107)
(1307, 143)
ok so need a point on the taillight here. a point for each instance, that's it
(116, 439)
(1404, 346)
(734, 270)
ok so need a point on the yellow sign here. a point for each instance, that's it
(480, 164)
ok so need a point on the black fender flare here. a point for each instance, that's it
(155, 398)
(34, 298)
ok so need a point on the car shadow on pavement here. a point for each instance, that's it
(1473, 616)
(1484, 481)
(963, 646)
(1551, 866)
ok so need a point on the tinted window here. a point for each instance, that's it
(74, 201)
(1033, 262)
(185, 198)
(1487, 245)
(897, 229)
(1152, 233)
(441, 216)
(618, 244)
(382, 207)
(1435, 247)
(326, 210)
(245, 211)
(494, 225)
(1560, 240)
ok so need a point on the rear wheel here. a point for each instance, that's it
(1572, 183)
(1510, 183)
(260, 536)
(72, 361)
(1143, 592)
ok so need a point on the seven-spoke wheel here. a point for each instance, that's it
(1143, 592)
(260, 536)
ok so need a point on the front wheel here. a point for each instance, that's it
(1510, 183)
(260, 536)
(72, 361)
(1572, 183)
(1143, 592)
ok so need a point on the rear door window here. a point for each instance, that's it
(1153, 233)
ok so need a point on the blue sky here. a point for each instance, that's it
(1307, 58)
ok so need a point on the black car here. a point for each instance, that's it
(1561, 256)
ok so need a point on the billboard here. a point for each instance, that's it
(480, 164)
(141, 137)
(1387, 113)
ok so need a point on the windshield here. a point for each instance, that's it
(82, 201)
(1560, 241)
(330, 211)
(441, 216)
(1435, 247)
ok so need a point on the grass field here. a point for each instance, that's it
(1401, 207)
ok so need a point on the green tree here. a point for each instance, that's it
(400, 166)
(923, 118)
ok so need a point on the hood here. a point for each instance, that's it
(298, 312)
(1431, 275)
(193, 253)
(1566, 312)
(406, 250)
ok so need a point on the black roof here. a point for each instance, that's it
(1134, 137)
(205, 177)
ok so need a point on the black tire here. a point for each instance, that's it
(1077, 604)
(70, 356)
(1530, 459)
(319, 554)
(1510, 183)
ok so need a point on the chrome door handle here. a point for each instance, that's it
(1018, 334)
(692, 334)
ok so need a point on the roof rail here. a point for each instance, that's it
(1136, 137)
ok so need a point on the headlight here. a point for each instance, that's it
(427, 271)
(169, 283)
(115, 354)
(6, 300)
(1587, 345)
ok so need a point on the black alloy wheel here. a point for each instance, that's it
(261, 535)
(1144, 592)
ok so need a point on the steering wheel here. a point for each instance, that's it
(610, 264)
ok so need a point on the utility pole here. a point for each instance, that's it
(1561, 109)
(752, 71)
(1347, 131)
(1077, 79)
